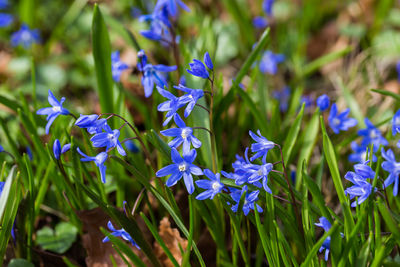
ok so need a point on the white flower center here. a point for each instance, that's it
(364, 156)
(260, 172)
(25, 36)
(110, 136)
(215, 186)
(56, 108)
(190, 96)
(185, 133)
(374, 134)
(397, 121)
(336, 121)
(182, 167)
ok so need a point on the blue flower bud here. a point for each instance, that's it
(323, 102)
(207, 61)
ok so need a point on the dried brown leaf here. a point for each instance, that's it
(173, 241)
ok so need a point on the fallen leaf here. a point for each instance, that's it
(172, 240)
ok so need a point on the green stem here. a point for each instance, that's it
(213, 148)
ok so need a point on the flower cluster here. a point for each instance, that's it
(183, 135)
(160, 21)
(361, 187)
(326, 225)
(103, 136)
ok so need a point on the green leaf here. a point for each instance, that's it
(292, 136)
(58, 240)
(323, 60)
(20, 263)
(250, 59)
(317, 245)
(6, 191)
(387, 93)
(102, 61)
(337, 181)
(352, 103)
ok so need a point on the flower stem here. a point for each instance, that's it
(213, 149)
(296, 209)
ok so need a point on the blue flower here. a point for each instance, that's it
(249, 200)
(57, 150)
(131, 146)
(396, 123)
(160, 27)
(171, 6)
(183, 166)
(257, 172)
(326, 225)
(260, 22)
(372, 135)
(212, 186)
(152, 74)
(267, 6)
(92, 123)
(261, 147)
(323, 102)
(172, 105)
(307, 100)
(108, 139)
(269, 62)
(340, 122)
(1, 148)
(283, 97)
(191, 97)
(25, 37)
(398, 69)
(5, 20)
(117, 66)
(393, 167)
(207, 61)
(183, 134)
(360, 153)
(53, 112)
(3, 4)
(99, 160)
(198, 69)
(122, 233)
(361, 189)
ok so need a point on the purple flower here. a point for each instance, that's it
(212, 186)
(340, 122)
(249, 200)
(393, 167)
(172, 105)
(191, 97)
(306, 100)
(117, 66)
(183, 134)
(323, 102)
(53, 112)
(57, 150)
(326, 225)
(269, 62)
(261, 147)
(152, 74)
(25, 37)
(182, 167)
(108, 139)
(99, 160)
(122, 233)
(3, 4)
